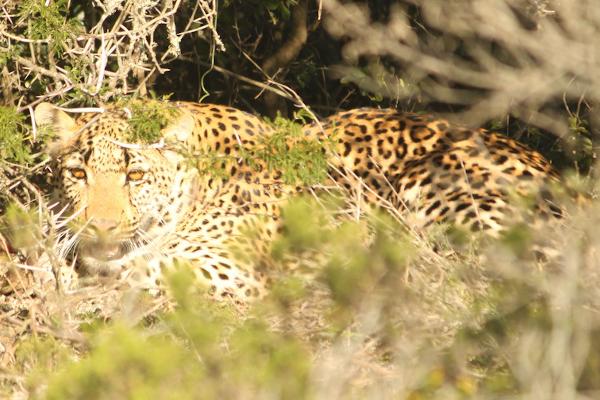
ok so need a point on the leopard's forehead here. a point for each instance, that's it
(103, 142)
(113, 123)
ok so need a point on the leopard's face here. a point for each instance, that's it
(121, 196)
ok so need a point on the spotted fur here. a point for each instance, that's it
(432, 171)
(142, 208)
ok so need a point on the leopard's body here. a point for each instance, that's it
(142, 208)
(432, 171)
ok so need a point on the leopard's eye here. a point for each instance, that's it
(135, 175)
(78, 173)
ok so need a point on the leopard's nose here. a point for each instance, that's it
(104, 225)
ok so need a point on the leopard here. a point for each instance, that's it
(137, 209)
(433, 172)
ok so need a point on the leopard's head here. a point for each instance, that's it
(120, 196)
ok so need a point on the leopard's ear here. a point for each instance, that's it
(181, 126)
(61, 124)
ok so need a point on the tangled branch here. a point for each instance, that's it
(127, 43)
(491, 58)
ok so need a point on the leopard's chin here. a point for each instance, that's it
(105, 259)
(94, 267)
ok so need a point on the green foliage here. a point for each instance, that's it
(303, 227)
(303, 73)
(578, 144)
(48, 21)
(7, 54)
(434, 324)
(13, 136)
(201, 352)
(286, 291)
(125, 364)
(519, 239)
(271, 362)
(212, 163)
(36, 356)
(148, 118)
(77, 70)
(300, 159)
(356, 271)
(21, 227)
(351, 270)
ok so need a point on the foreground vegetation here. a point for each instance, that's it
(410, 315)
